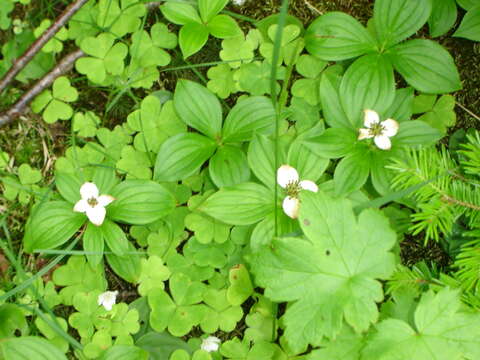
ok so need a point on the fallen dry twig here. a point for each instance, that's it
(22, 61)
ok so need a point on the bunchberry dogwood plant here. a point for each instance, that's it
(380, 131)
(288, 179)
(93, 204)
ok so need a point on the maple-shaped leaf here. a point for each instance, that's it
(440, 332)
(331, 275)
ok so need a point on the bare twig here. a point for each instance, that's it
(63, 66)
(313, 8)
(22, 61)
(468, 111)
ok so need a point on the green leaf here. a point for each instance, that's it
(442, 114)
(221, 80)
(426, 66)
(180, 13)
(114, 237)
(332, 143)
(30, 347)
(338, 36)
(68, 185)
(352, 171)
(242, 204)
(467, 4)
(27, 175)
(309, 165)
(161, 345)
(367, 84)
(198, 108)
(182, 155)
(181, 312)
(333, 275)
(252, 115)
(50, 225)
(396, 20)
(12, 320)
(153, 274)
(209, 8)
(401, 108)
(229, 166)
(416, 132)
(470, 26)
(220, 314)
(224, 27)
(127, 267)
(261, 158)
(78, 276)
(63, 91)
(192, 37)
(332, 109)
(241, 287)
(140, 202)
(93, 244)
(125, 352)
(440, 328)
(443, 17)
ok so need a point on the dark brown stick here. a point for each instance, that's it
(63, 66)
(22, 61)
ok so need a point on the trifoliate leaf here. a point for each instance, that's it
(153, 274)
(54, 45)
(237, 51)
(333, 275)
(220, 314)
(221, 80)
(85, 124)
(27, 175)
(136, 164)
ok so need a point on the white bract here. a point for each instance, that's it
(238, 2)
(107, 299)
(287, 178)
(380, 131)
(92, 204)
(210, 344)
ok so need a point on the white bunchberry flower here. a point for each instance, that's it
(92, 204)
(238, 2)
(210, 344)
(107, 299)
(287, 178)
(380, 131)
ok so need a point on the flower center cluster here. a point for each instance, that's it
(92, 202)
(376, 129)
(293, 189)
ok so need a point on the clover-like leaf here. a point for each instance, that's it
(54, 45)
(85, 124)
(237, 50)
(105, 57)
(78, 276)
(120, 16)
(181, 312)
(220, 314)
(221, 80)
(333, 275)
(5, 10)
(136, 164)
(153, 274)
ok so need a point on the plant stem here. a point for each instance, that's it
(22, 61)
(19, 107)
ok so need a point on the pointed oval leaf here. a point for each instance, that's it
(252, 115)
(182, 155)
(338, 36)
(367, 84)
(229, 166)
(198, 107)
(50, 225)
(242, 204)
(470, 26)
(426, 66)
(191, 38)
(140, 202)
(396, 20)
